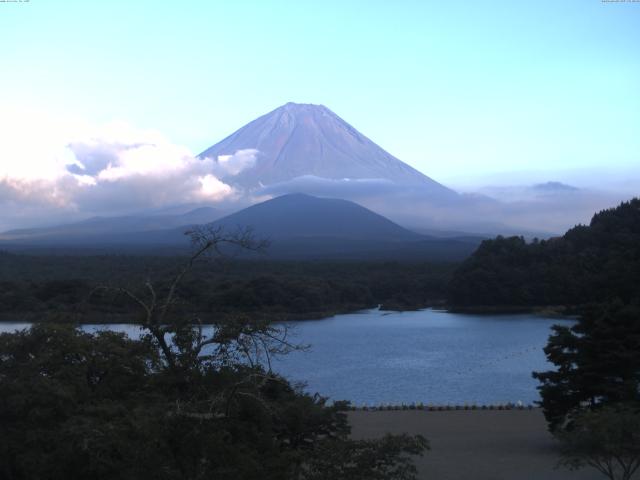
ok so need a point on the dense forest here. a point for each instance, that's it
(72, 287)
(593, 263)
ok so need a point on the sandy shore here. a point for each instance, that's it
(475, 445)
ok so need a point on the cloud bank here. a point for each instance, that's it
(56, 168)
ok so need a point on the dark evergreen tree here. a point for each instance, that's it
(597, 363)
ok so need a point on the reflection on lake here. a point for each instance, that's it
(402, 357)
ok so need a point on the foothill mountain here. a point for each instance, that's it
(297, 226)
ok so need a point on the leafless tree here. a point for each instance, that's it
(182, 339)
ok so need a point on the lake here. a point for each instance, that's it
(427, 356)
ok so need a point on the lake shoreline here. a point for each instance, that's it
(111, 318)
(560, 311)
(98, 318)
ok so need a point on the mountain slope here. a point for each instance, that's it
(298, 227)
(305, 227)
(300, 216)
(101, 228)
(297, 140)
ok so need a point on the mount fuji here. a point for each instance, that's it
(306, 147)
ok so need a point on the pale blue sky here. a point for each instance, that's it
(461, 88)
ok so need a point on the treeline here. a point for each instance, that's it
(588, 264)
(58, 287)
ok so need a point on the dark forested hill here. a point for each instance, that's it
(305, 227)
(304, 216)
(298, 226)
(591, 263)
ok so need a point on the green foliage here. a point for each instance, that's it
(71, 402)
(35, 286)
(597, 363)
(176, 404)
(102, 406)
(382, 459)
(607, 439)
(592, 263)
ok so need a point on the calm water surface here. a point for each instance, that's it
(426, 356)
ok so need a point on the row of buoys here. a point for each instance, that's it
(439, 408)
(509, 356)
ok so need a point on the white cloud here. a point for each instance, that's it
(352, 188)
(232, 165)
(66, 165)
(214, 188)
